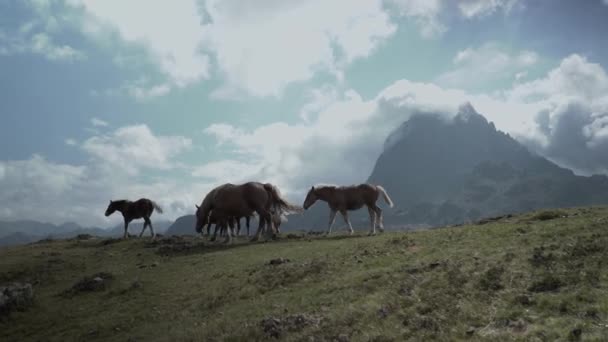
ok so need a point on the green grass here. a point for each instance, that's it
(520, 278)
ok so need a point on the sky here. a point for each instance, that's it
(112, 99)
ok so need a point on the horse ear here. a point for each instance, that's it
(197, 207)
(312, 188)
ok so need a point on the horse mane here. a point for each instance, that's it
(322, 186)
(120, 201)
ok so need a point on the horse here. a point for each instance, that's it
(142, 208)
(232, 200)
(277, 220)
(344, 198)
(214, 218)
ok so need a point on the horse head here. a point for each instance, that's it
(201, 220)
(111, 208)
(311, 198)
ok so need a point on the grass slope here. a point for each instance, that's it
(539, 277)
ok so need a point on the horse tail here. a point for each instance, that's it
(385, 195)
(157, 207)
(278, 203)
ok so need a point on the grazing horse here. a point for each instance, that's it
(241, 200)
(142, 208)
(345, 198)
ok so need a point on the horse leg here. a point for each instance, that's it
(269, 223)
(262, 224)
(126, 235)
(332, 218)
(144, 227)
(379, 218)
(247, 222)
(238, 226)
(151, 228)
(229, 230)
(214, 231)
(208, 230)
(345, 216)
(372, 218)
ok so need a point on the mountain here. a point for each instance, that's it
(182, 226)
(442, 170)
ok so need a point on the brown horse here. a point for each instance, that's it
(142, 208)
(231, 200)
(345, 198)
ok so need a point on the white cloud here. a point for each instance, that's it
(262, 48)
(98, 122)
(141, 90)
(575, 77)
(171, 31)
(25, 41)
(258, 48)
(71, 142)
(431, 16)
(133, 147)
(481, 8)
(483, 66)
(572, 114)
(425, 13)
(235, 171)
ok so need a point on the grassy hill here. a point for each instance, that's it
(540, 276)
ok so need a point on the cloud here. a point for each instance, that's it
(141, 90)
(256, 49)
(571, 121)
(425, 14)
(234, 170)
(171, 32)
(71, 142)
(131, 148)
(40, 184)
(260, 49)
(481, 8)
(575, 77)
(25, 41)
(98, 122)
(490, 63)
(432, 16)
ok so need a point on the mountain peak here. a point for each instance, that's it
(467, 113)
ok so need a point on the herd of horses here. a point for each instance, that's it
(227, 204)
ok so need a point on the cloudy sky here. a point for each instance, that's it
(107, 99)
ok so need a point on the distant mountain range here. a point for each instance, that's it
(437, 170)
(26, 231)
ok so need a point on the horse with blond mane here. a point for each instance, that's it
(346, 198)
